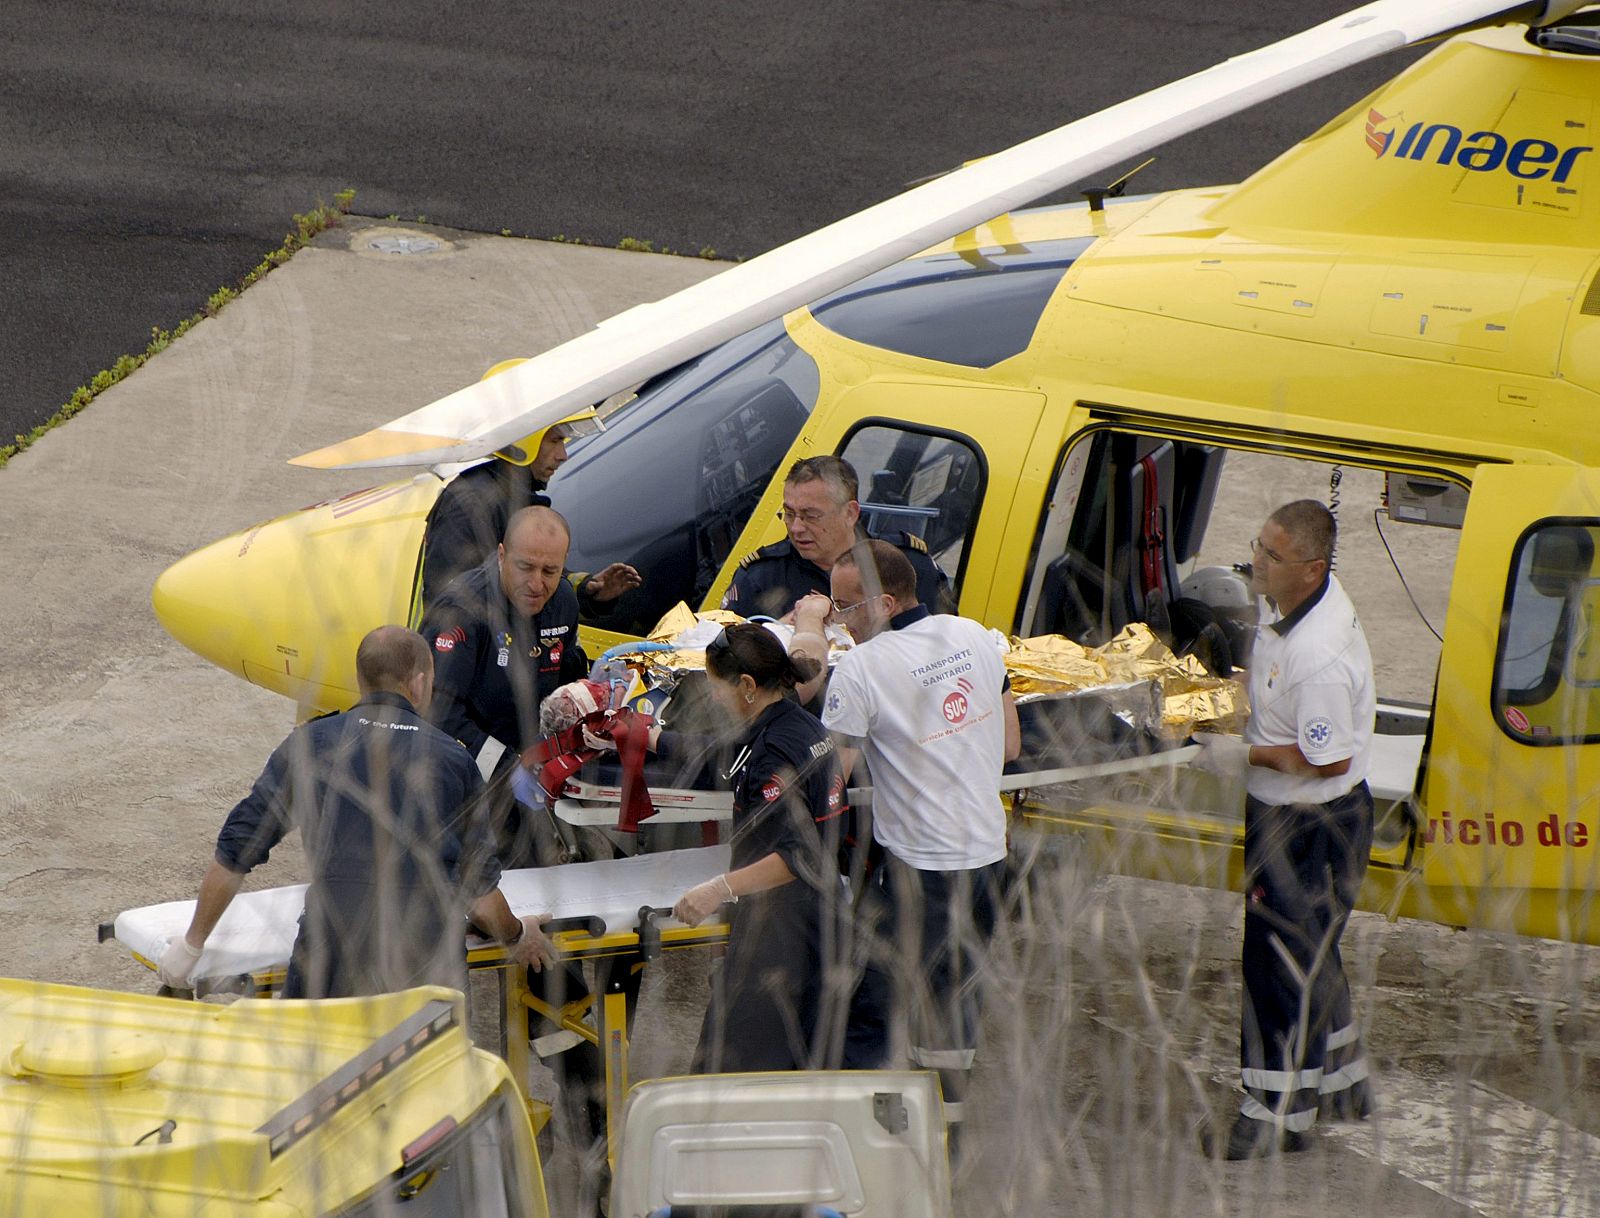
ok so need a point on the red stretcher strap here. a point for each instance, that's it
(559, 756)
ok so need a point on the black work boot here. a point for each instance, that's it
(1354, 1103)
(1252, 1139)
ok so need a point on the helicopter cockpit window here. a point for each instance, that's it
(1547, 671)
(925, 483)
(973, 309)
(671, 481)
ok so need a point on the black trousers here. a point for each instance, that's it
(1304, 864)
(927, 935)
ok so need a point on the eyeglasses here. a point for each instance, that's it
(1259, 549)
(808, 517)
(838, 608)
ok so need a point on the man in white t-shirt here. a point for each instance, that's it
(1308, 829)
(925, 699)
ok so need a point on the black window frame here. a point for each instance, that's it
(1015, 270)
(1498, 703)
(632, 614)
(942, 433)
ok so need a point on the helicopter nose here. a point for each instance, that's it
(284, 604)
(209, 602)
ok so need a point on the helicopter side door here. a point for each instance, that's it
(1511, 798)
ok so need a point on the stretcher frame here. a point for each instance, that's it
(616, 955)
(597, 804)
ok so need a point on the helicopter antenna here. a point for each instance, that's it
(1097, 195)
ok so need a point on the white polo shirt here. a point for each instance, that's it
(924, 699)
(1311, 685)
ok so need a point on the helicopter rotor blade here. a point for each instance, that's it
(643, 341)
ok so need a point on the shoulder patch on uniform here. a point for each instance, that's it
(771, 550)
(915, 542)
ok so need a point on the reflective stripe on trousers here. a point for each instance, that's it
(1304, 864)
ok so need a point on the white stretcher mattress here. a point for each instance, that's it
(257, 932)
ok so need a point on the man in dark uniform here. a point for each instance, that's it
(504, 636)
(471, 515)
(823, 518)
(389, 809)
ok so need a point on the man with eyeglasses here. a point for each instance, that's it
(925, 699)
(1303, 760)
(823, 518)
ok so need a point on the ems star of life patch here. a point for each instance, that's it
(1317, 732)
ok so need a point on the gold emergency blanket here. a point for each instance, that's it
(661, 668)
(1042, 666)
(1192, 698)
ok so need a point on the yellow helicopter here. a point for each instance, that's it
(1058, 401)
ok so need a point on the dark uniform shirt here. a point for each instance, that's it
(772, 580)
(492, 664)
(469, 519)
(775, 1005)
(388, 807)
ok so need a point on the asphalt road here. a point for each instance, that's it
(153, 150)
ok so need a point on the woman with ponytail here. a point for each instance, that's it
(780, 999)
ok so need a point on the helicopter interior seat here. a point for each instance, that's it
(1172, 489)
(1079, 597)
(1151, 574)
(956, 505)
(1197, 626)
(1162, 497)
(1069, 598)
(886, 506)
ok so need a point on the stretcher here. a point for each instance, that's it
(615, 913)
(255, 935)
(593, 799)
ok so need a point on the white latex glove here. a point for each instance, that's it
(703, 900)
(1227, 757)
(177, 962)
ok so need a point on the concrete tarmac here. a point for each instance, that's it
(1112, 1020)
